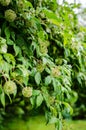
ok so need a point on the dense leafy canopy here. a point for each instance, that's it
(42, 55)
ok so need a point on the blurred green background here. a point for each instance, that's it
(39, 123)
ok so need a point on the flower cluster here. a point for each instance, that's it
(40, 67)
(10, 15)
(10, 87)
(55, 72)
(43, 49)
(5, 2)
(20, 5)
(27, 92)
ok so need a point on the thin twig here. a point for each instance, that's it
(19, 83)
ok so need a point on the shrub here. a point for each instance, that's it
(39, 54)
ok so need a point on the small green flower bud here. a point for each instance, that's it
(10, 87)
(5, 2)
(27, 92)
(10, 15)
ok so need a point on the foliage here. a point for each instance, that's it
(79, 75)
(42, 53)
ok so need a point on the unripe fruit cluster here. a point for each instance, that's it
(10, 87)
(27, 92)
(55, 72)
(5, 2)
(10, 15)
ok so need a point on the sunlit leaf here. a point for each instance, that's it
(48, 80)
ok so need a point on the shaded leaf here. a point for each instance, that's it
(69, 108)
(2, 97)
(7, 32)
(17, 50)
(38, 78)
(39, 100)
(52, 120)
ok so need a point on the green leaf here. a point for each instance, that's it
(2, 97)
(46, 96)
(25, 80)
(2, 41)
(19, 111)
(33, 71)
(52, 120)
(33, 100)
(3, 48)
(6, 68)
(27, 4)
(54, 84)
(24, 70)
(9, 98)
(16, 49)
(52, 17)
(59, 124)
(69, 108)
(15, 92)
(39, 100)
(10, 58)
(38, 78)
(36, 92)
(50, 14)
(13, 35)
(48, 80)
(10, 42)
(7, 33)
(0, 89)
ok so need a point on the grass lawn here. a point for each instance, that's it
(76, 125)
(38, 123)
